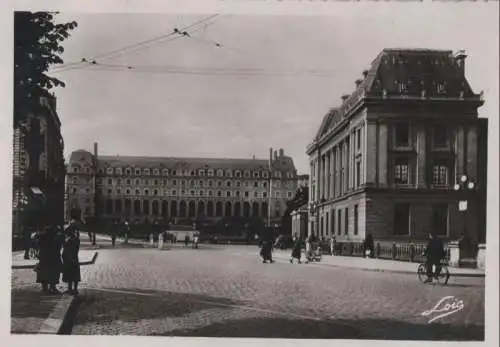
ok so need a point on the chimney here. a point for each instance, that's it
(365, 73)
(282, 152)
(95, 149)
(275, 154)
(460, 60)
(358, 82)
(270, 154)
(344, 97)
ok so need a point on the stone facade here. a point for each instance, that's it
(385, 162)
(179, 190)
(38, 170)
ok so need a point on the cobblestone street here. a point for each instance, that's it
(227, 291)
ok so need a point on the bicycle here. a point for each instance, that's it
(442, 277)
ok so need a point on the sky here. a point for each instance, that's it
(269, 84)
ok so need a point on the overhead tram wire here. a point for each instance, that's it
(205, 71)
(111, 54)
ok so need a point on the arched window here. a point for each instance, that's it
(219, 193)
(228, 184)
(118, 170)
(229, 173)
(182, 209)
(164, 208)
(156, 172)
(155, 192)
(147, 172)
(173, 209)
(246, 209)
(210, 193)
(247, 174)
(128, 207)
(218, 209)
(128, 171)
(192, 209)
(201, 183)
(109, 206)
(137, 172)
(164, 172)
(201, 209)
(255, 209)
(118, 206)
(137, 207)
(237, 209)
(210, 209)
(145, 206)
(146, 191)
(154, 208)
(228, 209)
(210, 172)
(109, 171)
(220, 173)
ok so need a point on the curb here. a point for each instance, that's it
(406, 272)
(31, 266)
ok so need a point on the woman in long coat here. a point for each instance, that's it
(296, 251)
(48, 271)
(71, 263)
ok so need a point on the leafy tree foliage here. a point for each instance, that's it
(37, 46)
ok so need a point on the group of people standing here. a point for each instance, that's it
(58, 254)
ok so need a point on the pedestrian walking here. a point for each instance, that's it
(114, 231)
(186, 241)
(161, 238)
(48, 270)
(333, 244)
(296, 252)
(71, 263)
(368, 247)
(126, 231)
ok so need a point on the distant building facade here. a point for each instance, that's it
(179, 190)
(386, 161)
(38, 170)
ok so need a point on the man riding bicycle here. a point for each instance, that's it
(434, 252)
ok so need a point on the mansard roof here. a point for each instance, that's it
(283, 163)
(406, 73)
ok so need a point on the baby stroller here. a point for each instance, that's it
(34, 246)
(315, 254)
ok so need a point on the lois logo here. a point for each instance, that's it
(444, 307)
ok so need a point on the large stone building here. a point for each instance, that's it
(387, 160)
(38, 170)
(179, 190)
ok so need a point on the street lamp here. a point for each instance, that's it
(465, 185)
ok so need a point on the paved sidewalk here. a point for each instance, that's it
(33, 312)
(368, 264)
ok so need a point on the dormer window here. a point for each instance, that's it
(201, 172)
(164, 172)
(137, 172)
(128, 171)
(247, 174)
(109, 171)
(441, 88)
(193, 173)
(118, 170)
(265, 174)
(228, 173)
(156, 172)
(174, 173)
(237, 173)
(256, 174)
(219, 173)
(210, 172)
(147, 172)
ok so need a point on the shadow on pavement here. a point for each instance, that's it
(131, 306)
(31, 302)
(373, 329)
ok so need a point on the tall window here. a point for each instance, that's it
(358, 139)
(440, 173)
(440, 219)
(356, 215)
(358, 173)
(440, 136)
(346, 221)
(401, 169)
(402, 134)
(339, 221)
(402, 219)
